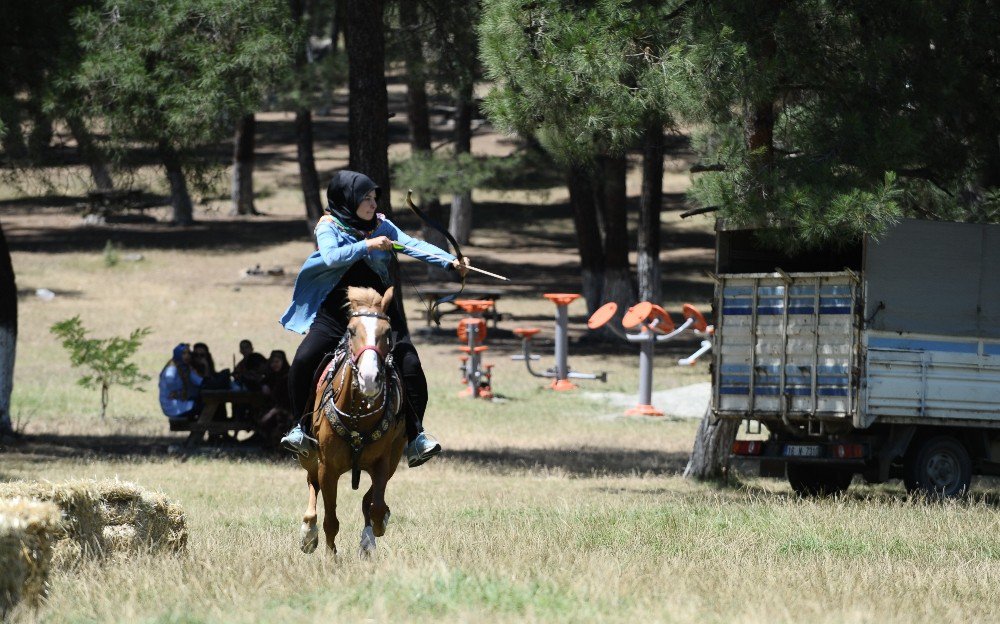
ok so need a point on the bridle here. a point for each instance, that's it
(379, 351)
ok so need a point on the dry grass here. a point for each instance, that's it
(545, 507)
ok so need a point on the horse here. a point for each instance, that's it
(357, 421)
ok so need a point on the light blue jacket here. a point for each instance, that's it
(339, 248)
(172, 400)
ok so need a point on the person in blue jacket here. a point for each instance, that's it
(180, 385)
(356, 249)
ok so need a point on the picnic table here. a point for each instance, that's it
(215, 419)
(434, 313)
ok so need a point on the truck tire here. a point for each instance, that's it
(939, 467)
(817, 480)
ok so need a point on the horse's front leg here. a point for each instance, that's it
(309, 531)
(328, 484)
(379, 510)
(367, 546)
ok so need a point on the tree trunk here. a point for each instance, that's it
(648, 256)
(588, 236)
(12, 140)
(418, 118)
(339, 24)
(8, 332)
(40, 137)
(308, 177)
(368, 115)
(180, 199)
(91, 154)
(460, 222)
(307, 166)
(618, 285)
(712, 446)
(243, 163)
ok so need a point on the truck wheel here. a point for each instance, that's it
(940, 466)
(817, 480)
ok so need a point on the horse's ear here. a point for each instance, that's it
(387, 298)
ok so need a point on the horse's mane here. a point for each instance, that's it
(358, 298)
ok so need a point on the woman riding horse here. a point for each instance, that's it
(356, 249)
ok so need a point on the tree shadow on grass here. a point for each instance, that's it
(583, 462)
(229, 235)
(42, 448)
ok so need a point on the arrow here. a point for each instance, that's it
(399, 246)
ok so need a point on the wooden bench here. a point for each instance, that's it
(434, 312)
(214, 418)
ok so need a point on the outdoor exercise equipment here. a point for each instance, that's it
(476, 375)
(560, 373)
(648, 324)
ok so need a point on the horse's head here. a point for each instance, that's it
(370, 336)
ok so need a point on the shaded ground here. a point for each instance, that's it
(583, 462)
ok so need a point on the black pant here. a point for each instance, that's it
(323, 337)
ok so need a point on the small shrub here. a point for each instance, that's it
(107, 360)
(111, 257)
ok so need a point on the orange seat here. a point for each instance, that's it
(603, 314)
(691, 312)
(526, 332)
(646, 312)
(561, 298)
(474, 306)
(478, 349)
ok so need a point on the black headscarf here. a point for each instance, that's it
(345, 192)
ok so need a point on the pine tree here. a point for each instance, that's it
(177, 74)
(836, 119)
(582, 78)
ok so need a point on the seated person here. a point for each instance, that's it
(180, 386)
(250, 371)
(201, 360)
(204, 364)
(279, 417)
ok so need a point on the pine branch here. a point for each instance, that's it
(680, 10)
(697, 211)
(923, 173)
(701, 168)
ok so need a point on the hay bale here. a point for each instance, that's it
(157, 523)
(80, 533)
(27, 529)
(93, 509)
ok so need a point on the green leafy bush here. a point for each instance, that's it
(106, 360)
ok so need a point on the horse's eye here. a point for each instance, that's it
(350, 330)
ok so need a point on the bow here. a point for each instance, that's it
(434, 225)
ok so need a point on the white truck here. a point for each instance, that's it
(880, 358)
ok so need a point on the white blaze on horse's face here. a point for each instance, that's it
(368, 363)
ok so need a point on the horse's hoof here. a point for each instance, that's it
(310, 538)
(367, 543)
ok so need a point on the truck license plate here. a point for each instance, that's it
(803, 450)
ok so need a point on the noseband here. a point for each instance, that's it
(378, 351)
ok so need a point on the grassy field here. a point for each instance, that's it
(545, 507)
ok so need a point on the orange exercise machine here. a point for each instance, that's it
(476, 375)
(647, 323)
(561, 373)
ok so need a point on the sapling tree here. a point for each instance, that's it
(106, 360)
